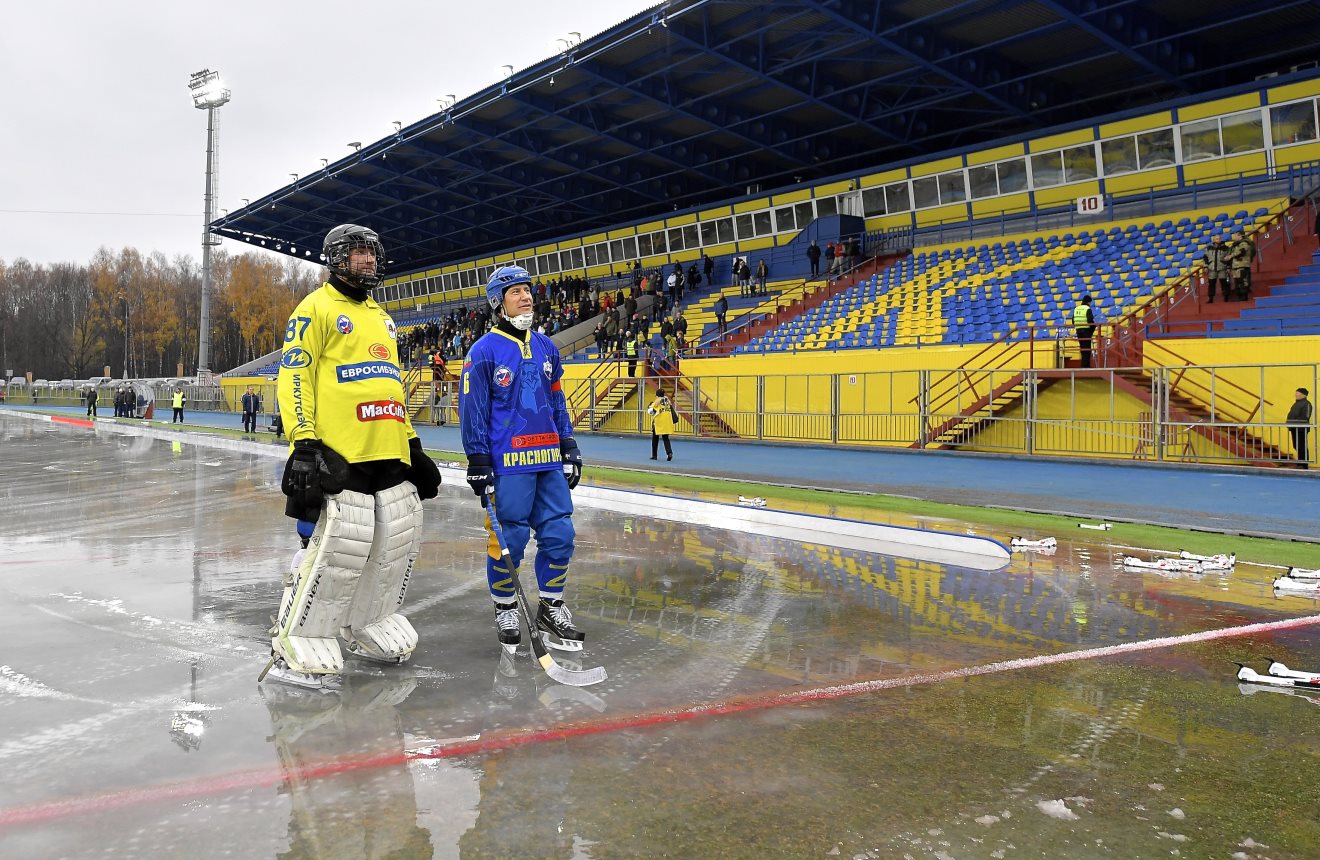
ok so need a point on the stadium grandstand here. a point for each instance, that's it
(967, 171)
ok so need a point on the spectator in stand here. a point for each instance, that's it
(762, 272)
(829, 258)
(630, 352)
(637, 273)
(1299, 425)
(813, 257)
(722, 313)
(1244, 251)
(1084, 322)
(1216, 259)
(663, 420)
(708, 266)
(693, 276)
(854, 252)
(680, 330)
(744, 277)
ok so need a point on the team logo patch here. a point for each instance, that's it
(368, 370)
(379, 350)
(344, 324)
(546, 368)
(534, 440)
(503, 376)
(380, 410)
(390, 329)
(296, 357)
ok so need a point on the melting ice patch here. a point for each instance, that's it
(1056, 809)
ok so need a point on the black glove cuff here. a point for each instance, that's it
(482, 460)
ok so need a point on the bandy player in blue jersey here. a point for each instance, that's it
(519, 445)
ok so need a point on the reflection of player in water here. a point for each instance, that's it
(369, 813)
(525, 790)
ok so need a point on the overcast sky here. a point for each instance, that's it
(95, 115)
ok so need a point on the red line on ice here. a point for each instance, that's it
(257, 778)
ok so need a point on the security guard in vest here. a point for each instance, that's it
(177, 402)
(1084, 323)
(630, 350)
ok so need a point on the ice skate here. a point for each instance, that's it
(554, 623)
(509, 622)
(279, 672)
(506, 676)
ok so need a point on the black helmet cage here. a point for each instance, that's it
(339, 246)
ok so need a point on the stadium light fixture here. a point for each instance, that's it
(208, 94)
(325, 162)
(295, 177)
(398, 126)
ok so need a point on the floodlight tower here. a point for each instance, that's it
(208, 94)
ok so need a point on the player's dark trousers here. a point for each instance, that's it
(1084, 334)
(1299, 442)
(655, 445)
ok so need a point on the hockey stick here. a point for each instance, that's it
(571, 677)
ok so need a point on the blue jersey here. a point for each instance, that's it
(512, 406)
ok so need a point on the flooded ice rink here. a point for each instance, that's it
(754, 706)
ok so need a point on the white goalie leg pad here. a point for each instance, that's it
(317, 604)
(377, 630)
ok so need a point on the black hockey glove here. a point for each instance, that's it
(572, 461)
(423, 472)
(312, 472)
(480, 475)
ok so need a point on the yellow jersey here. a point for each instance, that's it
(340, 380)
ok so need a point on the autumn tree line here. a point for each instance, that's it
(139, 313)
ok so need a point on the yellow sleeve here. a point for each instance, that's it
(296, 392)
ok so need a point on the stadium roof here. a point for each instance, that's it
(694, 101)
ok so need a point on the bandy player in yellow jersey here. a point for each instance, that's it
(356, 470)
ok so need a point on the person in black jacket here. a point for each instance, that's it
(1299, 425)
(251, 406)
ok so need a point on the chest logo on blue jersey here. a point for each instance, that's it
(503, 376)
(344, 324)
(546, 369)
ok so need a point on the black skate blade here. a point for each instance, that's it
(572, 677)
(558, 644)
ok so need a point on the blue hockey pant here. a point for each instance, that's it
(529, 502)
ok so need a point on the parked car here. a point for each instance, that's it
(40, 383)
(94, 382)
(66, 383)
(18, 382)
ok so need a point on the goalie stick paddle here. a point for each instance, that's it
(571, 677)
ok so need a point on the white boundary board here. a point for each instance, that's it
(961, 550)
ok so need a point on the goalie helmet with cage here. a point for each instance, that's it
(341, 242)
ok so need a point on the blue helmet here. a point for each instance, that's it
(503, 278)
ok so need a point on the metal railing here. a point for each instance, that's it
(1205, 414)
